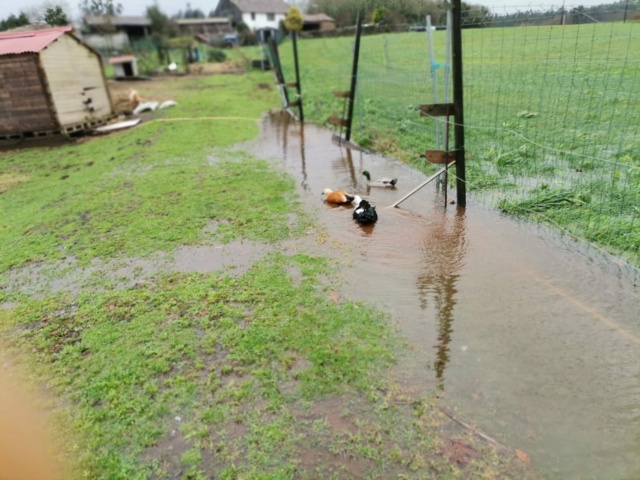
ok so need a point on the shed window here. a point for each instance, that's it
(271, 17)
(253, 15)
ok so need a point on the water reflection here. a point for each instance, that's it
(285, 126)
(345, 163)
(367, 230)
(444, 250)
(303, 159)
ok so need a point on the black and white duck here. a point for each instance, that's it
(364, 212)
(380, 182)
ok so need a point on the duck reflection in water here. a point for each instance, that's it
(444, 251)
(286, 125)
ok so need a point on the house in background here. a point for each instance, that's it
(211, 31)
(114, 33)
(255, 14)
(134, 27)
(317, 21)
(50, 83)
(204, 26)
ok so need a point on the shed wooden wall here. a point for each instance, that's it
(72, 69)
(23, 99)
(327, 25)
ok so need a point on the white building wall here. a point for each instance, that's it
(261, 20)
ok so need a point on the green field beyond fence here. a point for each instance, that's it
(552, 116)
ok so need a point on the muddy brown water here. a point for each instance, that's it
(530, 337)
(27, 446)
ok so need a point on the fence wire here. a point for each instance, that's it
(552, 111)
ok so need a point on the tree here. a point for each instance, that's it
(392, 11)
(293, 21)
(576, 14)
(100, 7)
(55, 16)
(475, 15)
(192, 13)
(161, 24)
(14, 22)
(54, 10)
(378, 14)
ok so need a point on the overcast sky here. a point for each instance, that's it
(171, 7)
(131, 7)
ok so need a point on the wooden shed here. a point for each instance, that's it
(50, 83)
(318, 21)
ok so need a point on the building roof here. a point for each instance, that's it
(122, 59)
(117, 21)
(31, 41)
(317, 17)
(262, 6)
(202, 21)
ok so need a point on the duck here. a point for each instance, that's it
(134, 98)
(339, 197)
(380, 182)
(364, 212)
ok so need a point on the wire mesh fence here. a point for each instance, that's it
(563, 112)
(552, 110)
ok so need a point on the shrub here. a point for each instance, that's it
(216, 55)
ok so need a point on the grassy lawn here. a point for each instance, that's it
(146, 189)
(552, 116)
(264, 373)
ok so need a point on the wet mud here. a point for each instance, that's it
(530, 337)
(27, 446)
(234, 258)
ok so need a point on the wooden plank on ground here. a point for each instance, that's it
(439, 157)
(338, 121)
(437, 110)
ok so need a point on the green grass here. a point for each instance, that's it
(145, 189)
(552, 106)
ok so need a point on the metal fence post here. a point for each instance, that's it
(458, 97)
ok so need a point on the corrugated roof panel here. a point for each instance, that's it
(317, 17)
(120, 21)
(201, 21)
(122, 59)
(262, 6)
(31, 41)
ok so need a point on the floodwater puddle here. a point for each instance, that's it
(233, 258)
(27, 445)
(528, 336)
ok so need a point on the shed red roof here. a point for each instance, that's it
(31, 41)
(122, 59)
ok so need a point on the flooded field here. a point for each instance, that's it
(530, 337)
